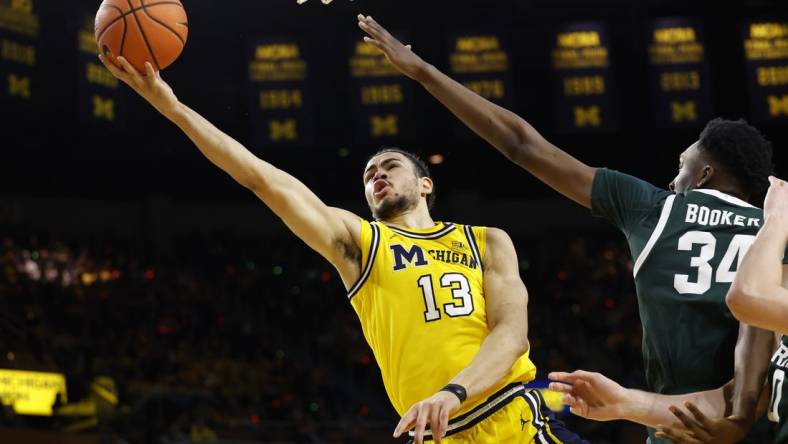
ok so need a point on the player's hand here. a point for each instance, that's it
(700, 429)
(434, 411)
(401, 56)
(776, 203)
(150, 86)
(590, 395)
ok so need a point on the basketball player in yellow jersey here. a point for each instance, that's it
(442, 305)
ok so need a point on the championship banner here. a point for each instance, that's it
(100, 97)
(584, 85)
(381, 96)
(19, 32)
(279, 101)
(766, 54)
(679, 73)
(31, 393)
(481, 62)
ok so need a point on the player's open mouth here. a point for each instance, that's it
(380, 188)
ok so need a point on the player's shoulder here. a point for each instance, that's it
(498, 240)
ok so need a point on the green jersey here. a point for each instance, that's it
(778, 406)
(687, 248)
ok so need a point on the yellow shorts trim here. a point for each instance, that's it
(518, 422)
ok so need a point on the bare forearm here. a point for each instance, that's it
(651, 409)
(761, 268)
(753, 349)
(503, 129)
(221, 149)
(495, 358)
(757, 295)
(300, 209)
(513, 137)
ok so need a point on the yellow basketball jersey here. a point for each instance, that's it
(422, 308)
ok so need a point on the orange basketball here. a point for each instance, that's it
(142, 31)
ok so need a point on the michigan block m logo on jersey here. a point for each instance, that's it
(402, 257)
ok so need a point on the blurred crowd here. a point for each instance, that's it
(244, 339)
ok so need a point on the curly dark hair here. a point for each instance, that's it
(419, 167)
(742, 150)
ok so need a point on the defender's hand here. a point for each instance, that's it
(776, 203)
(590, 395)
(434, 410)
(401, 56)
(700, 429)
(150, 86)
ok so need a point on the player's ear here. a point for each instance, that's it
(426, 186)
(706, 174)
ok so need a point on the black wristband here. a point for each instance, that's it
(457, 390)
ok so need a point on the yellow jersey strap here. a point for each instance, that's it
(370, 235)
(477, 255)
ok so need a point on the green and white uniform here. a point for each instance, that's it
(778, 403)
(687, 248)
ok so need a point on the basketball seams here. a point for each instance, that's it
(112, 22)
(123, 37)
(142, 33)
(144, 8)
(124, 14)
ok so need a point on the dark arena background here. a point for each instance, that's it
(160, 302)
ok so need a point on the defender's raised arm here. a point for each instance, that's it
(507, 132)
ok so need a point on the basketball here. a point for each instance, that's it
(142, 31)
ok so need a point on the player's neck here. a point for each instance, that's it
(418, 217)
(727, 187)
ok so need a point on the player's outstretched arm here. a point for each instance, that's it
(594, 396)
(759, 294)
(332, 232)
(507, 132)
(716, 416)
(507, 315)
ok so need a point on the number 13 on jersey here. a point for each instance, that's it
(462, 304)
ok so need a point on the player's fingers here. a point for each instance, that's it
(591, 378)
(576, 405)
(421, 424)
(560, 387)
(568, 399)
(130, 70)
(375, 43)
(117, 72)
(435, 423)
(568, 378)
(369, 28)
(673, 435)
(444, 423)
(699, 416)
(406, 423)
(583, 389)
(379, 29)
(688, 422)
(150, 74)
